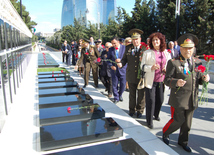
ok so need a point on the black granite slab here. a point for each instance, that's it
(44, 65)
(61, 75)
(57, 85)
(64, 100)
(45, 60)
(55, 79)
(60, 91)
(52, 72)
(77, 133)
(119, 147)
(72, 113)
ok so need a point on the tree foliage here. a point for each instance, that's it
(196, 16)
(25, 14)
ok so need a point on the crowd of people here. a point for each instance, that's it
(126, 64)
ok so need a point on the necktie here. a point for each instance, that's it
(117, 53)
(190, 65)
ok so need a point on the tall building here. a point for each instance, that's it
(85, 11)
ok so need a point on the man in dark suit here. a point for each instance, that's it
(89, 54)
(66, 51)
(177, 47)
(105, 70)
(184, 90)
(118, 75)
(174, 52)
(132, 57)
(73, 51)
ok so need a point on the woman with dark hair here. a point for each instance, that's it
(154, 64)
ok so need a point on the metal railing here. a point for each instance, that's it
(13, 64)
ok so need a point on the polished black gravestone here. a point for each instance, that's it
(52, 72)
(53, 76)
(119, 147)
(78, 133)
(60, 91)
(64, 100)
(58, 85)
(45, 60)
(55, 79)
(72, 113)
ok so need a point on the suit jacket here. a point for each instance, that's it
(132, 61)
(68, 47)
(178, 49)
(93, 54)
(187, 96)
(176, 53)
(112, 56)
(105, 70)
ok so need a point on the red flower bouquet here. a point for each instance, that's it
(205, 70)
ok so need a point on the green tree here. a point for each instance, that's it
(25, 14)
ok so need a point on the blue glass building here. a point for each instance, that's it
(85, 11)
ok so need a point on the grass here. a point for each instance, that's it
(51, 69)
(5, 71)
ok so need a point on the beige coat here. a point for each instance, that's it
(149, 60)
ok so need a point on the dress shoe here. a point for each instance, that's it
(109, 95)
(139, 115)
(121, 98)
(165, 139)
(106, 89)
(185, 147)
(131, 114)
(157, 118)
(84, 86)
(115, 101)
(96, 86)
(150, 126)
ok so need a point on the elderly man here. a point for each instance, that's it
(118, 75)
(66, 52)
(132, 56)
(184, 90)
(105, 70)
(89, 54)
(174, 52)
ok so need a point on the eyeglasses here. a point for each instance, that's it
(107, 47)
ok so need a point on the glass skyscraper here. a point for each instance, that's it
(85, 11)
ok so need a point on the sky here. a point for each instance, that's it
(47, 13)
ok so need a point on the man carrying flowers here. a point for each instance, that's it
(183, 77)
(132, 57)
(88, 55)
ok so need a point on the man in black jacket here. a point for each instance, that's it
(66, 51)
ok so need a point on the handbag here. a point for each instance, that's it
(141, 83)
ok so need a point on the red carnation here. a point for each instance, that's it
(143, 44)
(87, 53)
(169, 51)
(76, 55)
(201, 68)
(69, 109)
(116, 48)
(98, 59)
(52, 75)
(208, 57)
(61, 71)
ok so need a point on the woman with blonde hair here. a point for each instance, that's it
(128, 41)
